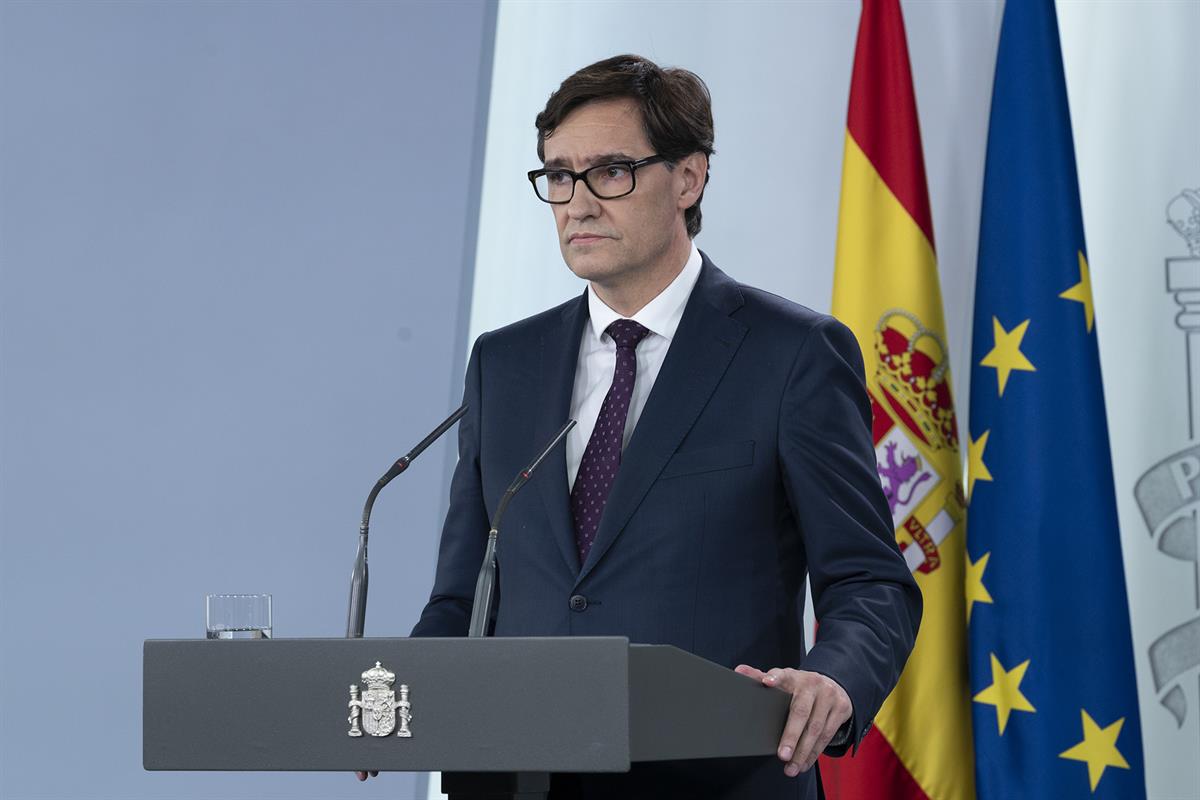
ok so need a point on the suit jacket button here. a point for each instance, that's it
(578, 602)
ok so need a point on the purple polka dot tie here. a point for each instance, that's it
(602, 456)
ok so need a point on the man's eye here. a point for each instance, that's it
(558, 178)
(614, 172)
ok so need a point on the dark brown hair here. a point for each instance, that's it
(675, 104)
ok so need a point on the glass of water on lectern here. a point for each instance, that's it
(238, 616)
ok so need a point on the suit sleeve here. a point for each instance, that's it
(867, 604)
(448, 612)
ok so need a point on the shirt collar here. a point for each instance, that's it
(661, 315)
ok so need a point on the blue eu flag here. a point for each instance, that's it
(1052, 679)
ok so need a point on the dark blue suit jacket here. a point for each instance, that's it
(752, 464)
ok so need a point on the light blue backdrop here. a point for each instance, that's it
(235, 259)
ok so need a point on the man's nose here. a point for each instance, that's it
(583, 203)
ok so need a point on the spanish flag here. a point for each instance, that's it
(886, 289)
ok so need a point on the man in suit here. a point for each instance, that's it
(723, 451)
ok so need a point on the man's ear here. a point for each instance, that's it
(690, 172)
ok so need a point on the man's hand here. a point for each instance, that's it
(362, 776)
(819, 707)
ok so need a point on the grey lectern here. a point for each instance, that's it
(495, 715)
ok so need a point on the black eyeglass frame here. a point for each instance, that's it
(576, 177)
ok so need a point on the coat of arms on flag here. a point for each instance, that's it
(913, 418)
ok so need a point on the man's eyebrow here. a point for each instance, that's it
(594, 161)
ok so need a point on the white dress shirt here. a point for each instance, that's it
(598, 358)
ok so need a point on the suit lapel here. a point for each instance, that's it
(700, 352)
(559, 354)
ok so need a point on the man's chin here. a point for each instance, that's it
(589, 266)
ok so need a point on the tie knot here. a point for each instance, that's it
(626, 333)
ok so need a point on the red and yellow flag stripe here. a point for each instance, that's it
(886, 289)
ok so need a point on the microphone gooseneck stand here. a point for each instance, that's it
(357, 616)
(495, 785)
(485, 584)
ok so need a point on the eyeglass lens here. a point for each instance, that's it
(606, 182)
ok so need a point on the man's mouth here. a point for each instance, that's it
(585, 238)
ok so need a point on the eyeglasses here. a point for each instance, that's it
(606, 181)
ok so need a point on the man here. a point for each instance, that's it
(723, 449)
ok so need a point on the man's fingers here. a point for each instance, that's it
(829, 730)
(362, 776)
(790, 680)
(798, 714)
(811, 743)
(749, 671)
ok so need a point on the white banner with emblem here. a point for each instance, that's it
(1132, 80)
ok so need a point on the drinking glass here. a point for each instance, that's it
(238, 616)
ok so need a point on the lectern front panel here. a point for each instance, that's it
(502, 704)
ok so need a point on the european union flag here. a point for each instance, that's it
(1052, 678)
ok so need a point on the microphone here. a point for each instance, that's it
(357, 615)
(485, 585)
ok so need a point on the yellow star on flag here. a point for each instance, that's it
(1098, 748)
(1005, 691)
(976, 469)
(1082, 292)
(976, 591)
(1006, 355)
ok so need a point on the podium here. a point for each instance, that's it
(495, 715)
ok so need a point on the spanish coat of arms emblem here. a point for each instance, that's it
(916, 437)
(376, 709)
